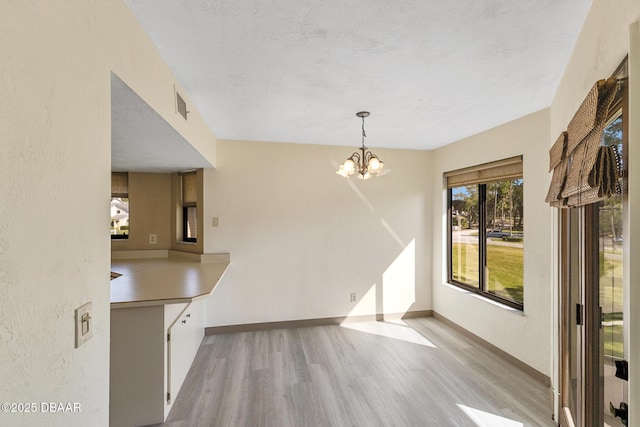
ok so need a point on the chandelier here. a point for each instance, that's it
(366, 164)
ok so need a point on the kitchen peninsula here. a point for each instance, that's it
(157, 325)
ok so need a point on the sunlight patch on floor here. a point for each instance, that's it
(487, 419)
(397, 330)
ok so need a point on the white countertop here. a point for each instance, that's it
(158, 281)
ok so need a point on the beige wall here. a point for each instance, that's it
(56, 59)
(601, 46)
(524, 335)
(302, 238)
(149, 212)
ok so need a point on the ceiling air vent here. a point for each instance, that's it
(181, 105)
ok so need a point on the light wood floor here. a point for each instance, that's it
(417, 372)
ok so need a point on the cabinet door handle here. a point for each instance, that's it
(184, 321)
(189, 315)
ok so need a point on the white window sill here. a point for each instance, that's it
(485, 299)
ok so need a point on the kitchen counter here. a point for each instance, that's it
(157, 325)
(168, 280)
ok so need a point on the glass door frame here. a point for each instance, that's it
(566, 324)
(581, 319)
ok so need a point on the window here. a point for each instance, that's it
(486, 230)
(119, 205)
(189, 206)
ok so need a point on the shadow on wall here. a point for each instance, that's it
(396, 293)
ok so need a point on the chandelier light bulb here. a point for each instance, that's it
(349, 165)
(374, 164)
(342, 172)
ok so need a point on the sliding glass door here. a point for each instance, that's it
(592, 251)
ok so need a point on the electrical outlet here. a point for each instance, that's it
(84, 324)
(352, 297)
(216, 221)
(153, 239)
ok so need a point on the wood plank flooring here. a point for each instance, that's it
(417, 372)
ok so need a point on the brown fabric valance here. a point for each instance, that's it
(558, 151)
(557, 163)
(570, 184)
(499, 170)
(189, 189)
(119, 184)
(606, 173)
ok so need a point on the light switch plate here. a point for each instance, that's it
(84, 324)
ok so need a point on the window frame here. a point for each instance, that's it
(185, 225)
(122, 194)
(483, 284)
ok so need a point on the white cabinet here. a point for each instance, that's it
(184, 335)
(152, 349)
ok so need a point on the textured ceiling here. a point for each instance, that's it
(430, 72)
